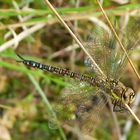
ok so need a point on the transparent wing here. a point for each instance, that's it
(131, 34)
(107, 53)
(74, 96)
(80, 104)
(103, 51)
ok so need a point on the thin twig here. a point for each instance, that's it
(97, 21)
(131, 111)
(21, 36)
(80, 44)
(129, 122)
(73, 53)
(115, 119)
(16, 6)
(74, 36)
(65, 50)
(75, 46)
(74, 16)
(119, 41)
(5, 107)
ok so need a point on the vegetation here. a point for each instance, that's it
(30, 105)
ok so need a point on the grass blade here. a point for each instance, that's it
(42, 94)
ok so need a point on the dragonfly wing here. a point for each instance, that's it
(105, 50)
(75, 95)
(102, 48)
(80, 105)
(131, 34)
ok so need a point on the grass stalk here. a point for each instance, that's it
(81, 45)
(133, 114)
(5, 107)
(123, 48)
(44, 98)
(74, 36)
(118, 39)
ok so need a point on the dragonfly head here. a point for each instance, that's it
(129, 96)
(125, 93)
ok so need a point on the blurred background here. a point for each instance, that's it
(30, 105)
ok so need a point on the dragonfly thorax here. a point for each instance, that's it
(122, 95)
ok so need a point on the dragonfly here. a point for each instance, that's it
(121, 93)
(104, 49)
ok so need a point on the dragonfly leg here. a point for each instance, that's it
(123, 107)
(118, 106)
(115, 105)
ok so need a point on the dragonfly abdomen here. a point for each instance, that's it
(64, 72)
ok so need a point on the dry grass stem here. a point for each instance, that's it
(74, 36)
(134, 115)
(21, 36)
(67, 49)
(5, 107)
(74, 16)
(115, 119)
(118, 39)
(81, 45)
(129, 122)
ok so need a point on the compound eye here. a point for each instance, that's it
(132, 96)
